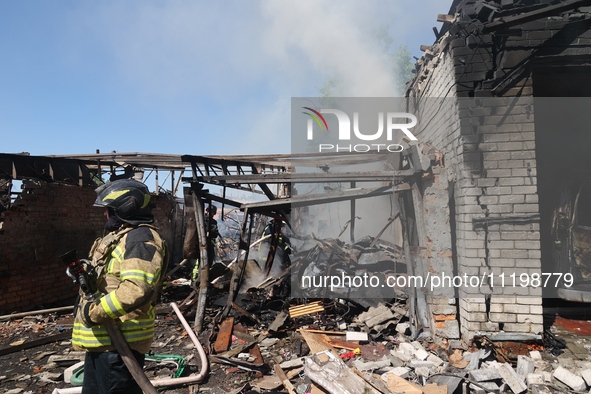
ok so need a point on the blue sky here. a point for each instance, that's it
(186, 77)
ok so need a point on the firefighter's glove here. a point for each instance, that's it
(92, 314)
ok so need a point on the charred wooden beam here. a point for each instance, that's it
(445, 18)
(240, 265)
(511, 21)
(203, 262)
(49, 169)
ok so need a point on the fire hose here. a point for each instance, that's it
(169, 381)
(77, 270)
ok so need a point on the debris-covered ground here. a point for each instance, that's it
(321, 345)
(269, 342)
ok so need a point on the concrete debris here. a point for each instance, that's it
(586, 374)
(421, 354)
(419, 364)
(435, 360)
(403, 328)
(334, 376)
(570, 379)
(402, 372)
(525, 365)
(423, 371)
(533, 379)
(67, 360)
(484, 388)
(50, 377)
(485, 375)
(293, 363)
(371, 365)
(535, 355)
(14, 391)
(514, 381)
(375, 316)
(407, 349)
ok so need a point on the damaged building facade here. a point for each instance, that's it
(496, 70)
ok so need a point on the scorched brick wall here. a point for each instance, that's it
(47, 221)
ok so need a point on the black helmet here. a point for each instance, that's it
(128, 198)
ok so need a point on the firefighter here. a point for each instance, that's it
(283, 243)
(129, 261)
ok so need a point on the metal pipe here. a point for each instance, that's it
(170, 381)
(41, 311)
(204, 362)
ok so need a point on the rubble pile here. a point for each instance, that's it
(304, 346)
(368, 256)
(268, 342)
(351, 360)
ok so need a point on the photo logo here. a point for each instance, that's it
(344, 130)
(316, 119)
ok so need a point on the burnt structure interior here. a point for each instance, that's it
(562, 120)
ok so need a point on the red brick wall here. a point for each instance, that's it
(46, 222)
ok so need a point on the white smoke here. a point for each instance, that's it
(230, 68)
(332, 37)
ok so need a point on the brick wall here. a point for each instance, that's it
(486, 132)
(433, 100)
(47, 221)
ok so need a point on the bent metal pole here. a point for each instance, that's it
(170, 381)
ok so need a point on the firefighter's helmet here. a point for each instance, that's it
(129, 199)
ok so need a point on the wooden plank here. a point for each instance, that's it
(318, 344)
(286, 383)
(318, 390)
(396, 384)
(344, 344)
(294, 308)
(35, 343)
(324, 332)
(434, 389)
(245, 313)
(224, 336)
(307, 307)
(273, 382)
(307, 311)
(369, 380)
(300, 308)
